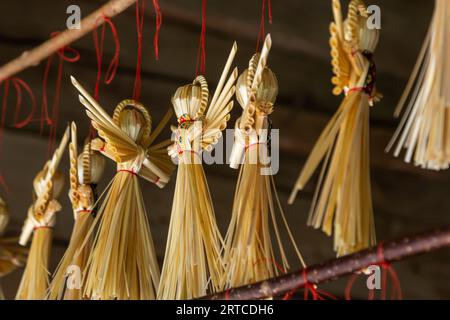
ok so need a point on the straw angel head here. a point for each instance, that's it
(352, 47)
(257, 90)
(201, 120)
(86, 170)
(48, 185)
(127, 138)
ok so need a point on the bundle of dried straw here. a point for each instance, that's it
(342, 204)
(193, 263)
(86, 171)
(424, 130)
(249, 252)
(12, 256)
(41, 219)
(122, 263)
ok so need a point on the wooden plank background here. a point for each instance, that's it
(406, 199)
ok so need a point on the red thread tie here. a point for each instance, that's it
(42, 227)
(386, 270)
(84, 211)
(158, 24)
(310, 288)
(128, 171)
(201, 53)
(254, 145)
(276, 264)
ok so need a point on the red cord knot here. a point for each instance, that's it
(387, 271)
(310, 288)
(62, 51)
(84, 211)
(380, 254)
(248, 146)
(128, 171)
(42, 227)
(227, 294)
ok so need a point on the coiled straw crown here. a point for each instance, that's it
(134, 119)
(90, 166)
(267, 90)
(357, 32)
(57, 183)
(192, 99)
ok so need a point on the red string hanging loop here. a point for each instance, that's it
(261, 31)
(18, 85)
(99, 46)
(200, 67)
(158, 24)
(72, 56)
(140, 7)
(387, 271)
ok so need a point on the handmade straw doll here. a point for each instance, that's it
(249, 254)
(193, 264)
(41, 219)
(424, 130)
(86, 170)
(122, 263)
(342, 204)
(12, 256)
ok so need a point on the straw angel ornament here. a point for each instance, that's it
(342, 204)
(86, 171)
(193, 263)
(12, 256)
(424, 130)
(41, 219)
(122, 263)
(249, 254)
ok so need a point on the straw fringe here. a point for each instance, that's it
(424, 128)
(342, 203)
(249, 252)
(122, 263)
(35, 278)
(193, 264)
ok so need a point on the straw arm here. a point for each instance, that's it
(36, 55)
(337, 268)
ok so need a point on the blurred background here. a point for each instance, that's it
(406, 199)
